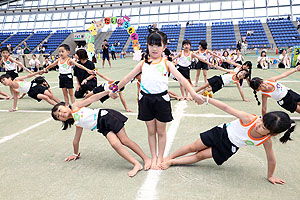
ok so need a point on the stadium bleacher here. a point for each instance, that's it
(259, 38)
(142, 32)
(284, 33)
(172, 32)
(223, 36)
(56, 39)
(119, 34)
(16, 39)
(34, 40)
(195, 33)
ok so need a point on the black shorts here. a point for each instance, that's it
(110, 120)
(89, 86)
(222, 147)
(216, 83)
(155, 106)
(105, 56)
(36, 89)
(185, 71)
(99, 89)
(66, 81)
(202, 65)
(12, 74)
(290, 101)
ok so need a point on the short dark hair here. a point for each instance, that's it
(186, 42)
(203, 44)
(65, 46)
(4, 76)
(105, 40)
(66, 124)
(82, 54)
(4, 49)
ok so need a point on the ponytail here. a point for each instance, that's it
(254, 84)
(147, 57)
(287, 134)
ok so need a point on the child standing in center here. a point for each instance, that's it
(65, 72)
(154, 101)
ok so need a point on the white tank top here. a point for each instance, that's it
(237, 69)
(203, 54)
(9, 65)
(65, 67)
(239, 133)
(185, 60)
(154, 79)
(279, 91)
(228, 79)
(86, 118)
(23, 86)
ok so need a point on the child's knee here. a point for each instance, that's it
(115, 144)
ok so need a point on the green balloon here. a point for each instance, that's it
(113, 20)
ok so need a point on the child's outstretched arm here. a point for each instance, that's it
(271, 163)
(232, 63)
(104, 77)
(51, 65)
(21, 64)
(29, 75)
(223, 69)
(73, 62)
(76, 141)
(131, 75)
(264, 99)
(91, 99)
(241, 91)
(285, 74)
(185, 83)
(245, 117)
(15, 102)
(202, 60)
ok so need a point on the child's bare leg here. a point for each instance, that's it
(109, 63)
(51, 95)
(66, 97)
(46, 98)
(122, 151)
(125, 140)
(88, 95)
(298, 108)
(103, 63)
(197, 77)
(182, 90)
(162, 139)
(71, 93)
(201, 155)
(151, 127)
(205, 75)
(205, 85)
(190, 148)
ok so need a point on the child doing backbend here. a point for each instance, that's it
(65, 72)
(184, 61)
(286, 98)
(223, 141)
(107, 121)
(37, 89)
(154, 101)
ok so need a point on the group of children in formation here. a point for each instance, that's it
(154, 107)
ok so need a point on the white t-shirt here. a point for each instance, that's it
(34, 63)
(263, 60)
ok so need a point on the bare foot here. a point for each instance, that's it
(195, 85)
(147, 163)
(20, 97)
(165, 165)
(189, 98)
(138, 167)
(12, 110)
(153, 163)
(180, 98)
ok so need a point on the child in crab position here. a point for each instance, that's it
(223, 141)
(107, 121)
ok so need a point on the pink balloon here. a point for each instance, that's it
(120, 22)
(134, 36)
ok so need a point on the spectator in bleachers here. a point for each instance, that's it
(46, 62)
(105, 53)
(152, 28)
(249, 33)
(225, 56)
(41, 49)
(10, 50)
(284, 60)
(113, 52)
(85, 81)
(263, 61)
(26, 49)
(238, 57)
(19, 51)
(244, 47)
(298, 24)
(239, 45)
(34, 64)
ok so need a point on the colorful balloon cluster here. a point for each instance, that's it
(97, 25)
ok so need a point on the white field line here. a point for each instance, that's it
(9, 137)
(148, 190)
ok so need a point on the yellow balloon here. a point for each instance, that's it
(93, 30)
(136, 47)
(91, 47)
(130, 30)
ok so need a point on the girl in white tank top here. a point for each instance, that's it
(221, 142)
(149, 111)
(285, 97)
(109, 122)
